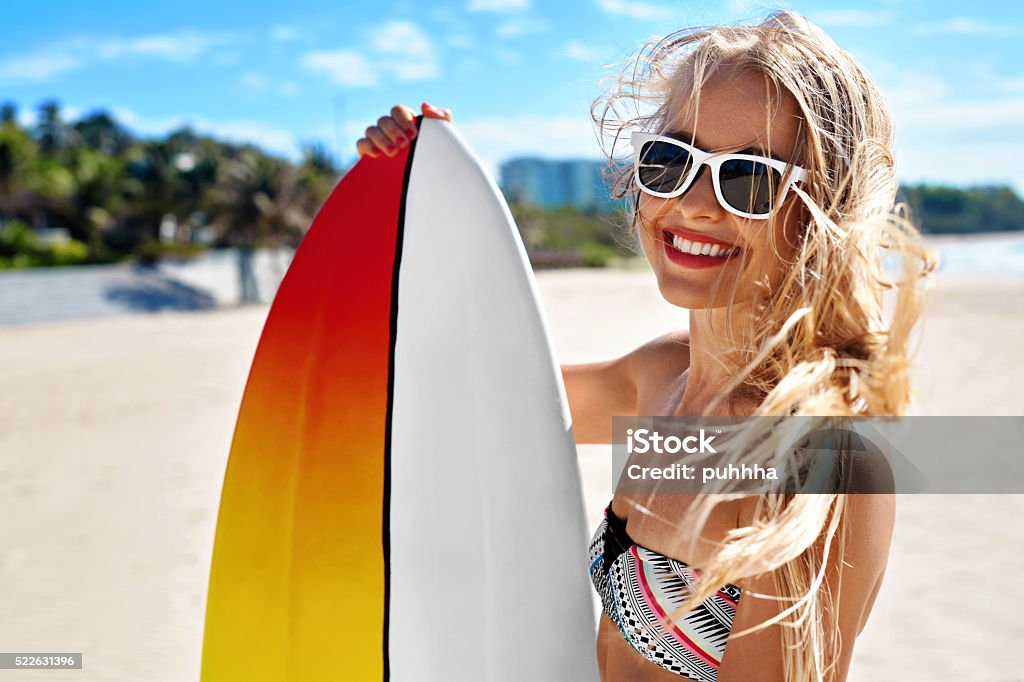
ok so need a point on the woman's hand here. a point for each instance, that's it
(394, 132)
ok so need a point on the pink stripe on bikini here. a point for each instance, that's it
(649, 596)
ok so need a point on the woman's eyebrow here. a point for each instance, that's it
(688, 138)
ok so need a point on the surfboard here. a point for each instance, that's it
(402, 499)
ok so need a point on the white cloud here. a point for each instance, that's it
(514, 28)
(494, 139)
(399, 49)
(183, 46)
(743, 6)
(988, 162)
(254, 81)
(968, 26)
(258, 83)
(954, 117)
(506, 56)
(1013, 84)
(579, 52)
(636, 10)
(851, 17)
(982, 133)
(37, 68)
(226, 58)
(497, 5)
(926, 103)
(460, 41)
(343, 67)
(906, 89)
(267, 137)
(284, 33)
(53, 59)
(412, 54)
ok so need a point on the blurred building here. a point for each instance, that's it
(542, 182)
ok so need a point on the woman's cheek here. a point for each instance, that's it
(652, 210)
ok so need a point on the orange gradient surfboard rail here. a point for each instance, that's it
(301, 539)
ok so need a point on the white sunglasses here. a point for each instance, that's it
(746, 185)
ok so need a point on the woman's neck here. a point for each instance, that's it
(712, 366)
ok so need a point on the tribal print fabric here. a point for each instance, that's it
(641, 589)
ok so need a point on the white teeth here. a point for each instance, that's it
(701, 249)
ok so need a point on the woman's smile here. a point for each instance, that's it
(693, 250)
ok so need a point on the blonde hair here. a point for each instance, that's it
(824, 340)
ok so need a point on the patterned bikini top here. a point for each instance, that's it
(640, 589)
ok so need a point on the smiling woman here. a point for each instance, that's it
(768, 144)
(762, 185)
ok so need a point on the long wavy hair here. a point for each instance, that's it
(832, 337)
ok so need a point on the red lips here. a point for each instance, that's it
(699, 237)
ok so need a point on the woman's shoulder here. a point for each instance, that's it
(665, 356)
(598, 391)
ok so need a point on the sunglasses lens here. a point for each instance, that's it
(663, 166)
(749, 186)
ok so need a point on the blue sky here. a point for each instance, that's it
(519, 74)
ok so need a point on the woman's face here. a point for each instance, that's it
(733, 114)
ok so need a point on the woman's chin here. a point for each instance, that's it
(691, 297)
(682, 297)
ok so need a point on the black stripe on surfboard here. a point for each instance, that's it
(386, 518)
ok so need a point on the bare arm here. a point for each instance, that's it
(599, 391)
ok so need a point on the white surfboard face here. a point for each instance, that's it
(488, 574)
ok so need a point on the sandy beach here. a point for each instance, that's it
(114, 434)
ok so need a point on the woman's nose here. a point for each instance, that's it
(699, 202)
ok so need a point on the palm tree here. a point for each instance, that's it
(257, 200)
(50, 131)
(101, 132)
(17, 158)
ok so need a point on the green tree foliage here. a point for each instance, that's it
(111, 190)
(100, 132)
(8, 113)
(17, 160)
(949, 210)
(20, 248)
(567, 236)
